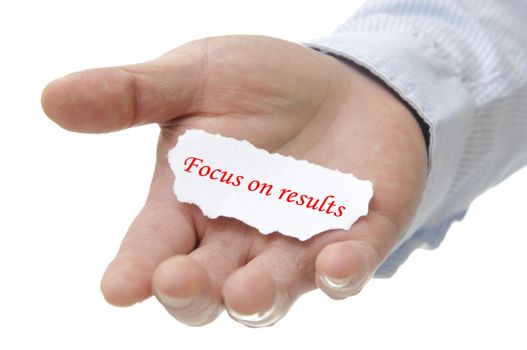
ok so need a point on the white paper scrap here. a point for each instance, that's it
(268, 191)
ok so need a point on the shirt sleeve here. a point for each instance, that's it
(462, 65)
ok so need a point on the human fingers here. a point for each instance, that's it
(261, 292)
(190, 286)
(109, 99)
(340, 262)
(164, 227)
(345, 266)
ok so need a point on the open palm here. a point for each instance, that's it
(282, 97)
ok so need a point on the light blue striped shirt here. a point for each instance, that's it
(462, 65)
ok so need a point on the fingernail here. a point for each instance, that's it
(174, 303)
(265, 318)
(335, 283)
(259, 319)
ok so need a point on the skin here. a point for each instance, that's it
(282, 97)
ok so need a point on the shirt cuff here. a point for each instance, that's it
(414, 69)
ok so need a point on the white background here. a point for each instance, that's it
(66, 200)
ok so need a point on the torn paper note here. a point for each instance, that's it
(268, 191)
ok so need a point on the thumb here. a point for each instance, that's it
(109, 99)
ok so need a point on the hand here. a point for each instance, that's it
(282, 97)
